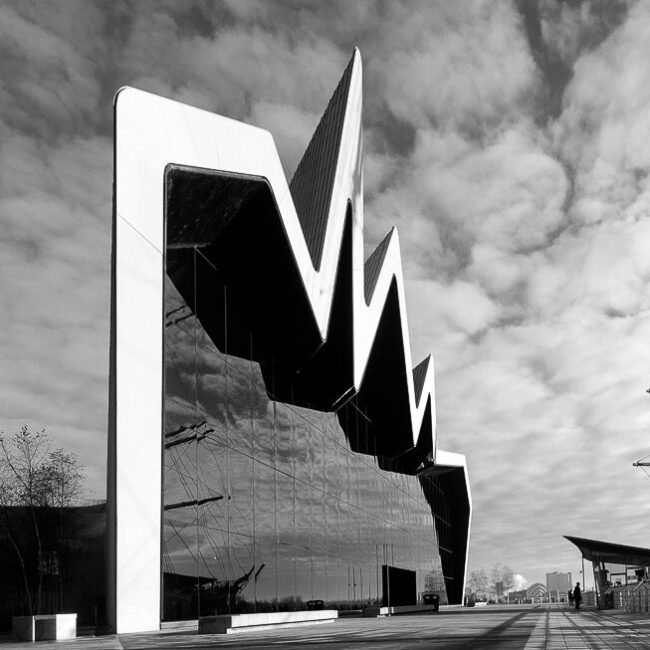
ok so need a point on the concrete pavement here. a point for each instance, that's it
(495, 627)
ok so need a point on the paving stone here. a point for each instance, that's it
(493, 627)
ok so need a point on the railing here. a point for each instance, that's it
(631, 598)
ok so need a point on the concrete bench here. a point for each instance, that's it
(395, 611)
(44, 627)
(227, 624)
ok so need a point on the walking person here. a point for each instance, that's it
(570, 597)
(577, 595)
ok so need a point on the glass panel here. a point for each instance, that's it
(283, 439)
(241, 581)
(286, 577)
(265, 539)
(303, 542)
(263, 413)
(266, 506)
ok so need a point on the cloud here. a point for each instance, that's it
(290, 126)
(509, 191)
(469, 39)
(613, 278)
(507, 143)
(49, 76)
(460, 306)
(602, 132)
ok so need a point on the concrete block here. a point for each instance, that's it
(22, 628)
(395, 611)
(44, 627)
(226, 624)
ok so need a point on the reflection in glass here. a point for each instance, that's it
(265, 506)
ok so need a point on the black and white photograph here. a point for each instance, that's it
(325, 323)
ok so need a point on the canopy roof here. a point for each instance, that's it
(598, 551)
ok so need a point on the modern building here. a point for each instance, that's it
(537, 591)
(558, 584)
(271, 446)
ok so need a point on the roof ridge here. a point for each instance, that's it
(373, 265)
(313, 180)
(419, 375)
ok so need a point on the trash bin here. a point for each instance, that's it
(432, 599)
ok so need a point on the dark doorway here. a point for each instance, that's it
(398, 586)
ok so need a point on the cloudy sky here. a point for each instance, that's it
(508, 141)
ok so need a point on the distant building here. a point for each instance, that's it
(70, 576)
(558, 582)
(536, 591)
(518, 596)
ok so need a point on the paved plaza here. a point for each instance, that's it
(497, 627)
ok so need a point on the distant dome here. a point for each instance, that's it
(536, 590)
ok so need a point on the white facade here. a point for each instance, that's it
(150, 133)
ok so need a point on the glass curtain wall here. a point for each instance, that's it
(265, 506)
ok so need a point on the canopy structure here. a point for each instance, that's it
(607, 553)
(600, 552)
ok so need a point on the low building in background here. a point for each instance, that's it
(60, 570)
(537, 593)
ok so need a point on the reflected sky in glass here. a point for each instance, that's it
(266, 507)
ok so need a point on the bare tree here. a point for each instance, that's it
(35, 484)
(502, 579)
(477, 584)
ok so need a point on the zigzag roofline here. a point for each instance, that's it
(152, 133)
(345, 176)
(340, 181)
(327, 193)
